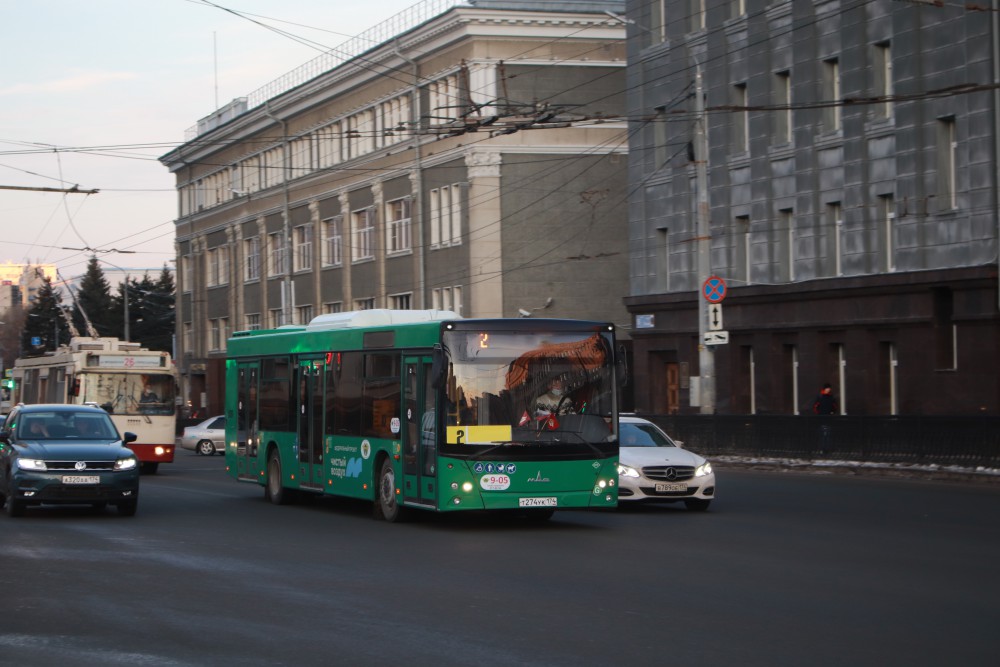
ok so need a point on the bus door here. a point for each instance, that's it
(312, 372)
(247, 416)
(420, 433)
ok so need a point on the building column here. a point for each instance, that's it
(483, 213)
(317, 256)
(378, 196)
(346, 250)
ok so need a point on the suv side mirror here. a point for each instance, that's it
(129, 437)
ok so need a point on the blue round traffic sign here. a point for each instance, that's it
(714, 289)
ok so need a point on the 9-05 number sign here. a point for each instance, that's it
(714, 289)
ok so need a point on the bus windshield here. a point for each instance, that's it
(527, 388)
(130, 393)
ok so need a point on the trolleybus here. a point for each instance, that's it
(136, 386)
(426, 410)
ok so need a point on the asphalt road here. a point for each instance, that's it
(785, 569)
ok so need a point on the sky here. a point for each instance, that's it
(93, 93)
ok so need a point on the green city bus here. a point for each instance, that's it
(427, 410)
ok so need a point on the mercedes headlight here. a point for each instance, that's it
(627, 471)
(704, 469)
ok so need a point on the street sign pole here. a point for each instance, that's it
(706, 354)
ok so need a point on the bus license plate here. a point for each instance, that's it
(537, 502)
(671, 488)
(81, 479)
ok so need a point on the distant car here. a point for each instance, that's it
(206, 438)
(66, 454)
(653, 468)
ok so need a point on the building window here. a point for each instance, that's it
(253, 321)
(397, 221)
(697, 9)
(663, 259)
(187, 338)
(742, 248)
(737, 8)
(302, 162)
(187, 273)
(363, 234)
(834, 230)
(276, 257)
(946, 149)
(832, 112)
(367, 303)
(782, 97)
(333, 307)
(328, 145)
(305, 314)
(445, 99)
(276, 318)
(893, 362)
(333, 243)
(740, 124)
(657, 32)
(401, 301)
(218, 332)
(887, 232)
(786, 250)
(660, 139)
(303, 236)
(446, 209)
(882, 72)
(251, 253)
(211, 268)
(447, 298)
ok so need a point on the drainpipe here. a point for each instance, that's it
(287, 294)
(995, 20)
(417, 180)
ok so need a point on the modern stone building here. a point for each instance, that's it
(852, 204)
(474, 159)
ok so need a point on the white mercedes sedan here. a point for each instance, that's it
(653, 468)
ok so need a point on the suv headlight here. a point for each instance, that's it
(125, 464)
(627, 471)
(31, 464)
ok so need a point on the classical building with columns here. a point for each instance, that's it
(462, 155)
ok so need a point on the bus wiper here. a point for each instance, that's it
(495, 446)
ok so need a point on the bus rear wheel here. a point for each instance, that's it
(274, 491)
(387, 505)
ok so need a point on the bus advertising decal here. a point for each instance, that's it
(490, 468)
(495, 482)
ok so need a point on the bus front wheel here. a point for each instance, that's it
(274, 491)
(387, 505)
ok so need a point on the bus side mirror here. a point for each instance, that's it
(621, 367)
(438, 367)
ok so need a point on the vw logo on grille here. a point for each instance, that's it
(81, 465)
(670, 473)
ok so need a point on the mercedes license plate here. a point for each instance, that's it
(671, 488)
(81, 479)
(537, 502)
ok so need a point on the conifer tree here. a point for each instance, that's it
(94, 297)
(44, 325)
